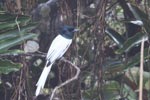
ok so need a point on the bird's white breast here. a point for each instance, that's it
(58, 47)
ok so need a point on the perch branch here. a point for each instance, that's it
(69, 80)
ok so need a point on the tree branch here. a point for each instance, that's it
(69, 80)
(141, 71)
(24, 54)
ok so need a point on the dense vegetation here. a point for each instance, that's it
(107, 49)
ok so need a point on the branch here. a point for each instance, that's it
(25, 54)
(69, 80)
(141, 71)
(50, 1)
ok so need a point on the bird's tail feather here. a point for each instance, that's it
(41, 82)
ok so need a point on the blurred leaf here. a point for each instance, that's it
(131, 42)
(12, 23)
(6, 16)
(15, 32)
(134, 73)
(88, 94)
(136, 59)
(6, 44)
(7, 66)
(140, 15)
(129, 93)
(118, 39)
(110, 90)
(148, 3)
(147, 85)
(113, 66)
(11, 52)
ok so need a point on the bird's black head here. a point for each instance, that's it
(68, 31)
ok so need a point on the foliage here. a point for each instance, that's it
(128, 65)
(109, 59)
(10, 37)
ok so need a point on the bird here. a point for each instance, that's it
(58, 47)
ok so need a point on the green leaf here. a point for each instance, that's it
(136, 59)
(7, 66)
(5, 25)
(13, 24)
(129, 93)
(90, 93)
(14, 33)
(6, 44)
(147, 85)
(132, 41)
(113, 66)
(133, 75)
(11, 52)
(115, 36)
(110, 90)
(6, 16)
(140, 15)
(148, 3)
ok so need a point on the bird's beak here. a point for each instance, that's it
(76, 30)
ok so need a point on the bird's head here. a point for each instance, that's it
(68, 31)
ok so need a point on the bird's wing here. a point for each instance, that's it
(58, 47)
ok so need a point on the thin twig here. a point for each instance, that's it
(69, 80)
(141, 71)
(17, 23)
(24, 54)
(50, 1)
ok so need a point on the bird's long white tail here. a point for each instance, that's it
(41, 82)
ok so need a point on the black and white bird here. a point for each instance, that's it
(57, 49)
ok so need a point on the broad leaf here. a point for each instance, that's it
(136, 59)
(6, 44)
(110, 90)
(132, 41)
(12, 24)
(14, 33)
(7, 66)
(6, 16)
(140, 15)
(118, 39)
(11, 52)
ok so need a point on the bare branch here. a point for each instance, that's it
(69, 80)
(25, 54)
(141, 71)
